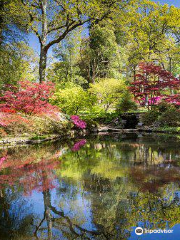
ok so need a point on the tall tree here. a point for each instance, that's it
(100, 55)
(146, 29)
(1, 21)
(67, 54)
(53, 20)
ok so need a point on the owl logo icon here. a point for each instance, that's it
(139, 231)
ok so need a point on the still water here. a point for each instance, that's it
(101, 187)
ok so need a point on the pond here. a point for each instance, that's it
(101, 187)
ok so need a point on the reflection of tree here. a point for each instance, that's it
(23, 172)
(121, 206)
(14, 218)
(153, 210)
(104, 189)
(68, 226)
(116, 175)
(26, 167)
(152, 178)
(29, 176)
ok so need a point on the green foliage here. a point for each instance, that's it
(146, 30)
(67, 52)
(91, 124)
(164, 115)
(163, 107)
(171, 117)
(101, 116)
(100, 55)
(17, 63)
(52, 21)
(72, 99)
(126, 103)
(108, 92)
(150, 117)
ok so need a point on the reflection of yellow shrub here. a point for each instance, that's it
(75, 169)
(110, 170)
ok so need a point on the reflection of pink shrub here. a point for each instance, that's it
(78, 122)
(2, 160)
(78, 145)
(29, 174)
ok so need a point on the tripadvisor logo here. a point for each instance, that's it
(139, 231)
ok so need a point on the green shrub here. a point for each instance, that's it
(165, 115)
(126, 103)
(108, 92)
(90, 123)
(72, 99)
(106, 117)
(99, 116)
(150, 117)
(163, 107)
(170, 118)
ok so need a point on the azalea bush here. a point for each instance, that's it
(78, 122)
(25, 110)
(29, 98)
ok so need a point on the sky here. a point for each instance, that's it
(176, 3)
(33, 41)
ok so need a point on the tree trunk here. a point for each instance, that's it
(1, 22)
(42, 65)
(134, 73)
(43, 51)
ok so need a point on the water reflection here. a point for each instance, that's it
(98, 188)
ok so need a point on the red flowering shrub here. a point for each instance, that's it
(26, 110)
(28, 98)
(152, 85)
(78, 122)
(6, 119)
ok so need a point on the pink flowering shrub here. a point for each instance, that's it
(78, 122)
(78, 145)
